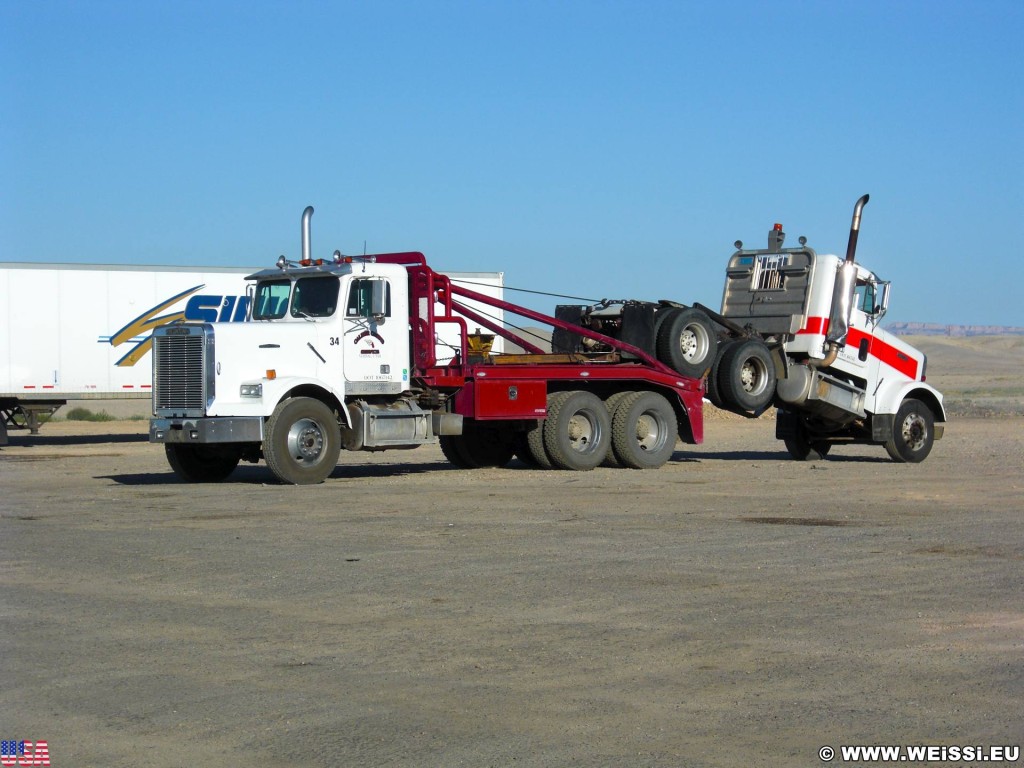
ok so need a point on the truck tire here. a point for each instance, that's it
(202, 463)
(535, 444)
(804, 448)
(303, 441)
(687, 342)
(577, 431)
(714, 390)
(913, 432)
(746, 376)
(522, 451)
(612, 403)
(479, 446)
(453, 450)
(644, 430)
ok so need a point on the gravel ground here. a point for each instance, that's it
(733, 608)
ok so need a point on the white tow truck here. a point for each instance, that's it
(343, 353)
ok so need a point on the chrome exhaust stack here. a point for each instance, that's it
(851, 246)
(307, 248)
(842, 292)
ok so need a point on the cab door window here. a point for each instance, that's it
(360, 298)
(865, 297)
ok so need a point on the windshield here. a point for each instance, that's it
(271, 299)
(315, 297)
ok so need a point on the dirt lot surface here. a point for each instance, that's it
(734, 608)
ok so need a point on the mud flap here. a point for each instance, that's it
(881, 426)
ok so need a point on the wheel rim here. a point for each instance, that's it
(306, 441)
(753, 376)
(914, 431)
(694, 343)
(650, 432)
(584, 432)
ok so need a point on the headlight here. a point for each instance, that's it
(251, 390)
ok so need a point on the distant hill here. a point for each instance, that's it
(934, 329)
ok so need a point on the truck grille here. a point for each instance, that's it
(182, 361)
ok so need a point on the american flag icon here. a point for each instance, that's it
(24, 753)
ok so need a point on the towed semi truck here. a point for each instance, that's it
(83, 332)
(801, 332)
(341, 353)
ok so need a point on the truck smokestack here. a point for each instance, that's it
(851, 247)
(306, 245)
(842, 293)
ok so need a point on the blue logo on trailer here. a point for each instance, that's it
(201, 308)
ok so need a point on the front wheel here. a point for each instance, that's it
(303, 441)
(913, 433)
(203, 463)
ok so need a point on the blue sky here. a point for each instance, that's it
(598, 149)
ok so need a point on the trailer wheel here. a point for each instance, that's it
(577, 431)
(203, 463)
(303, 441)
(746, 376)
(913, 432)
(686, 342)
(612, 403)
(644, 431)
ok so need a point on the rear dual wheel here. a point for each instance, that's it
(803, 447)
(746, 376)
(479, 446)
(577, 431)
(686, 341)
(630, 429)
(644, 430)
(612, 403)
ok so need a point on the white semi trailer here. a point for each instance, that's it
(83, 331)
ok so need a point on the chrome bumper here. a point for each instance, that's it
(228, 429)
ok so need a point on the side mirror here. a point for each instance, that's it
(378, 298)
(882, 304)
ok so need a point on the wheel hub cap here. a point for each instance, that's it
(648, 432)
(581, 432)
(306, 441)
(915, 432)
(693, 344)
